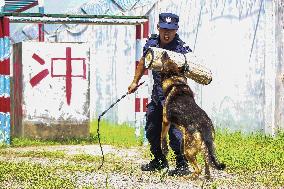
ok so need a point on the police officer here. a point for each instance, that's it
(167, 39)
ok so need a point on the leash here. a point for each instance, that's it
(99, 119)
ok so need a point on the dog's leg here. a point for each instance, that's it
(192, 147)
(165, 130)
(207, 170)
(207, 164)
(196, 168)
(184, 148)
(166, 123)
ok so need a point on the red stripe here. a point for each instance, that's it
(38, 77)
(4, 32)
(6, 23)
(138, 31)
(137, 104)
(17, 97)
(5, 67)
(146, 29)
(146, 72)
(40, 33)
(145, 103)
(68, 79)
(38, 59)
(1, 28)
(4, 104)
(84, 69)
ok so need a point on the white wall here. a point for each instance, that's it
(46, 100)
(112, 67)
(238, 41)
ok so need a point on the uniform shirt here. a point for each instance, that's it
(177, 45)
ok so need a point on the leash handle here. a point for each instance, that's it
(137, 87)
(140, 84)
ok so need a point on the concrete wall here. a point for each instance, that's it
(50, 90)
(238, 40)
(112, 67)
(279, 89)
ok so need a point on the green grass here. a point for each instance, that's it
(119, 135)
(256, 158)
(27, 175)
(49, 175)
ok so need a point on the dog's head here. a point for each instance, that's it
(172, 74)
(170, 68)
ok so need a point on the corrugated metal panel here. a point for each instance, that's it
(19, 6)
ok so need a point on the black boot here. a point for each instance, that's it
(181, 167)
(155, 164)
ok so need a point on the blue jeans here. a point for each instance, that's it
(153, 131)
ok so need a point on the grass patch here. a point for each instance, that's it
(27, 175)
(44, 154)
(71, 174)
(256, 158)
(122, 135)
(118, 135)
(85, 157)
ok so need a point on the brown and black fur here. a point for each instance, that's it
(181, 110)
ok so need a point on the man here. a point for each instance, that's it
(167, 39)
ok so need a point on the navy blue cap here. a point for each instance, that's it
(168, 21)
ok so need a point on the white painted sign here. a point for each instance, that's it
(55, 81)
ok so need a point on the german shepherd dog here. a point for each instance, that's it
(181, 110)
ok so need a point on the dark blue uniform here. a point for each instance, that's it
(155, 109)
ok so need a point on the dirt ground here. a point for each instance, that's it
(133, 178)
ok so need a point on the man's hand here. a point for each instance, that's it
(138, 74)
(132, 87)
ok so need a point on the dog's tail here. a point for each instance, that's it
(207, 136)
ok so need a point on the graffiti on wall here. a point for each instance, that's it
(68, 60)
(53, 81)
